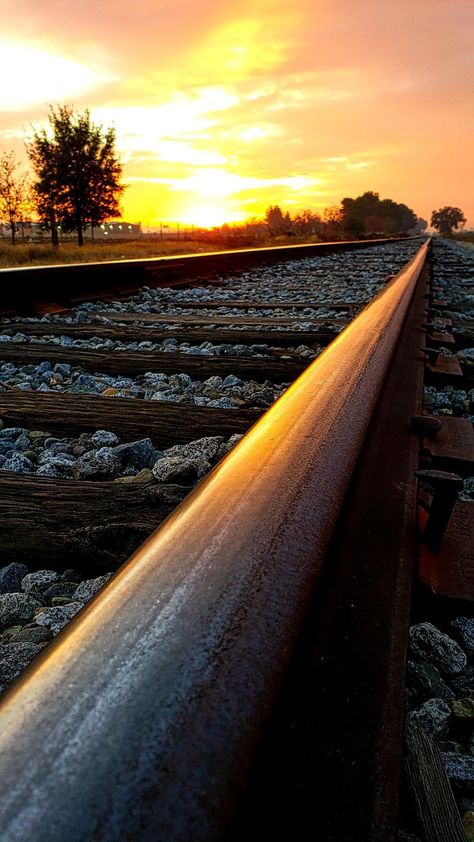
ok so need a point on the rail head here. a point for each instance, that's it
(290, 251)
(141, 719)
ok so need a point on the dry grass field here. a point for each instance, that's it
(465, 238)
(37, 254)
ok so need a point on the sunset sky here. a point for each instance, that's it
(221, 109)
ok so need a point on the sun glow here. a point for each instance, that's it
(36, 72)
(209, 216)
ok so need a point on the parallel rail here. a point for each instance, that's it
(24, 287)
(142, 719)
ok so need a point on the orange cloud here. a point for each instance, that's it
(228, 108)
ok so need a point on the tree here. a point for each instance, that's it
(370, 214)
(420, 226)
(332, 219)
(276, 221)
(13, 192)
(307, 223)
(78, 172)
(446, 219)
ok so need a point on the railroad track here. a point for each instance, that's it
(247, 664)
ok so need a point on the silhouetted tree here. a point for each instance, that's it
(277, 222)
(13, 192)
(307, 223)
(446, 219)
(370, 214)
(78, 172)
(332, 219)
(420, 226)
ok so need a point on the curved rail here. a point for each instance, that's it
(141, 720)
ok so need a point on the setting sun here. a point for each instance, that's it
(222, 110)
(209, 216)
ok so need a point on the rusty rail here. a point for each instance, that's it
(141, 720)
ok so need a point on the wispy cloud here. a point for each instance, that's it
(245, 104)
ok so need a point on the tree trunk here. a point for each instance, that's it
(80, 233)
(13, 230)
(54, 229)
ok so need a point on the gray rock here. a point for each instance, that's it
(433, 716)
(19, 464)
(61, 588)
(232, 380)
(214, 382)
(104, 438)
(97, 463)
(16, 608)
(60, 465)
(58, 616)
(463, 682)
(427, 643)
(36, 583)
(87, 589)
(222, 403)
(14, 657)
(460, 771)
(50, 471)
(463, 630)
(227, 446)
(179, 469)
(427, 682)
(136, 454)
(11, 577)
(11, 432)
(63, 368)
(206, 448)
(33, 634)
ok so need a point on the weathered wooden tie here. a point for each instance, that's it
(165, 423)
(139, 362)
(78, 522)
(194, 335)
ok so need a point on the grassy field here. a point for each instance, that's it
(466, 239)
(31, 254)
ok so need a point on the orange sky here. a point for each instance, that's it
(224, 108)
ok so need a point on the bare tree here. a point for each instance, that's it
(13, 192)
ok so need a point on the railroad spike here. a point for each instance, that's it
(445, 487)
(432, 354)
(427, 425)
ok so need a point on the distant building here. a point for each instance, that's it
(116, 230)
(25, 230)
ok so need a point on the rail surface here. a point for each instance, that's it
(142, 718)
(22, 286)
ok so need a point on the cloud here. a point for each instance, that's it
(34, 71)
(258, 101)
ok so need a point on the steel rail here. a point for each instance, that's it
(22, 285)
(141, 720)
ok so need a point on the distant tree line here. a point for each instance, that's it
(365, 216)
